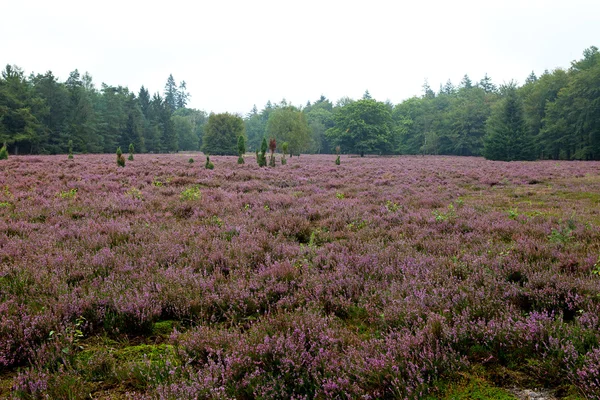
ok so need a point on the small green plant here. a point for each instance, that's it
(156, 183)
(68, 194)
(337, 151)
(70, 149)
(513, 213)
(215, 220)
(135, 193)
(191, 194)
(356, 225)
(391, 206)
(596, 267)
(3, 153)
(267, 208)
(131, 149)
(337, 160)
(340, 195)
(120, 158)
(440, 216)
(191, 161)
(208, 164)
(564, 233)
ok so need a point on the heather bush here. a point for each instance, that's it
(383, 281)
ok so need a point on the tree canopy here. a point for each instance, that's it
(560, 109)
(221, 134)
(363, 126)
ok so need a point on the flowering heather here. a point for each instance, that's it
(375, 278)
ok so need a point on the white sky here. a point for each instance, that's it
(236, 53)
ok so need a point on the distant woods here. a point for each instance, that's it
(553, 116)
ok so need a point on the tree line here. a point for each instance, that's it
(553, 116)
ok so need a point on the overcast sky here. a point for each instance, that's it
(236, 53)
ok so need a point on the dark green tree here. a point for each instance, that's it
(221, 133)
(363, 126)
(507, 136)
(171, 94)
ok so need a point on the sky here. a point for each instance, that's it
(234, 54)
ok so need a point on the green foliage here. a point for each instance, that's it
(3, 153)
(209, 164)
(69, 194)
(507, 137)
(131, 150)
(120, 158)
(221, 134)
(284, 148)
(261, 157)
(191, 161)
(191, 193)
(441, 216)
(337, 160)
(288, 124)
(70, 149)
(363, 126)
(241, 143)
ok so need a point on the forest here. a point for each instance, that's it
(552, 116)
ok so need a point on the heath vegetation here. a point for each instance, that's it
(406, 277)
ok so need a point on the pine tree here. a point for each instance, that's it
(507, 137)
(171, 93)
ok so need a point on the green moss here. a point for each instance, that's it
(475, 388)
(163, 328)
(144, 351)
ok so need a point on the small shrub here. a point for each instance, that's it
(191, 161)
(337, 160)
(209, 164)
(69, 194)
(131, 150)
(3, 153)
(120, 158)
(70, 149)
(241, 149)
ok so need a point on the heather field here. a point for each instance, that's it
(401, 277)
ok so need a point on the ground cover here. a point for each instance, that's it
(399, 277)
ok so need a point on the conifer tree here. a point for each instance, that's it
(507, 136)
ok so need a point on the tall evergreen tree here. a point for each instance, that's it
(507, 136)
(171, 93)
